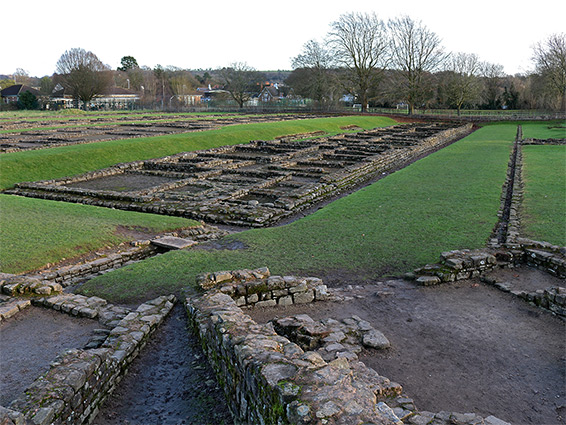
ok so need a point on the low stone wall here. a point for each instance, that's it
(79, 380)
(14, 285)
(54, 280)
(295, 370)
(455, 265)
(545, 256)
(544, 141)
(258, 288)
(11, 306)
(465, 264)
(271, 380)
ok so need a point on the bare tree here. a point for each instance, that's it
(463, 83)
(492, 75)
(240, 80)
(550, 59)
(21, 76)
(83, 74)
(360, 44)
(314, 78)
(417, 52)
(182, 82)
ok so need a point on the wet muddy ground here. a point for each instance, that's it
(169, 383)
(464, 347)
(31, 340)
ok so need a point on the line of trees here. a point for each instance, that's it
(399, 63)
(403, 62)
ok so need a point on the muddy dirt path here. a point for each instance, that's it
(169, 383)
(463, 347)
(31, 340)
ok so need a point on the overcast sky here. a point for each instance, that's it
(209, 34)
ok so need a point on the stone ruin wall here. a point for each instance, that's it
(226, 175)
(465, 264)
(79, 380)
(269, 378)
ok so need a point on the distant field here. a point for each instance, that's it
(446, 201)
(76, 159)
(34, 232)
(544, 205)
(62, 230)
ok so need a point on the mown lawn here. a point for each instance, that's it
(65, 161)
(34, 232)
(544, 205)
(448, 200)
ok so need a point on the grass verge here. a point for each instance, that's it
(448, 200)
(35, 232)
(65, 161)
(544, 204)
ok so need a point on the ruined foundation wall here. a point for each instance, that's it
(78, 381)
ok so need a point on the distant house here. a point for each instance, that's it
(115, 98)
(270, 94)
(12, 94)
(112, 98)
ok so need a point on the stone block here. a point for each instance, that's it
(286, 300)
(428, 280)
(300, 286)
(266, 303)
(251, 299)
(304, 297)
(492, 420)
(280, 292)
(375, 339)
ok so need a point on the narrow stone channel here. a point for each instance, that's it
(169, 383)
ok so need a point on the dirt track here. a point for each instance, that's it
(463, 347)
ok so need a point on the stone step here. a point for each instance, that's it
(171, 242)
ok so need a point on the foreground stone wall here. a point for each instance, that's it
(79, 380)
(295, 370)
(465, 264)
(271, 380)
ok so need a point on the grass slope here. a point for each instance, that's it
(35, 232)
(448, 200)
(544, 205)
(65, 161)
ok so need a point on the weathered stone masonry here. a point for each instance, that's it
(255, 184)
(78, 381)
(270, 380)
(311, 375)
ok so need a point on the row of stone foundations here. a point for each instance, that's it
(255, 184)
(294, 370)
(103, 129)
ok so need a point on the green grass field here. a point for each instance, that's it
(448, 200)
(65, 161)
(35, 232)
(544, 205)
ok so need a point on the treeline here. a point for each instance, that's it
(363, 60)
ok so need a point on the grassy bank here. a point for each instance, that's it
(544, 205)
(76, 159)
(35, 232)
(448, 200)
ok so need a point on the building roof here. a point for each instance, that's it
(118, 91)
(17, 89)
